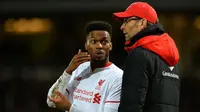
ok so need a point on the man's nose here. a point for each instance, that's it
(99, 45)
(122, 27)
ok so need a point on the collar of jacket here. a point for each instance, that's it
(156, 29)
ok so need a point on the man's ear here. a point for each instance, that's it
(110, 46)
(144, 23)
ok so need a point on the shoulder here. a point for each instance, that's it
(81, 69)
(140, 53)
(115, 77)
(115, 71)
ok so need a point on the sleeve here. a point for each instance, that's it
(60, 85)
(135, 82)
(113, 99)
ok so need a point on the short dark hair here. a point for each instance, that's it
(98, 25)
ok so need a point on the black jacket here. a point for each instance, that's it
(151, 75)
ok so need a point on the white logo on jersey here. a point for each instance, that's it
(168, 74)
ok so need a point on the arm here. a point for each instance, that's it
(60, 85)
(135, 82)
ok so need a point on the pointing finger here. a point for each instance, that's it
(79, 51)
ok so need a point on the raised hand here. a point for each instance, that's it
(78, 59)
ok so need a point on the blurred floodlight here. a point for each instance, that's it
(24, 26)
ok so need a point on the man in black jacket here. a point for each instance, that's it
(151, 76)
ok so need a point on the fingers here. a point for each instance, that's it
(79, 51)
(52, 99)
(60, 95)
(81, 56)
(82, 53)
(82, 59)
(57, 97)
(80, 62)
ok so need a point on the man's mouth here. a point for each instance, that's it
(99, 53)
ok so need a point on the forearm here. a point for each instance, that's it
(59, 85)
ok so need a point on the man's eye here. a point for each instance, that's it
(93, 41)
(105, 41)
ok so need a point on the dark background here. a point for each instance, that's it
(31, 61)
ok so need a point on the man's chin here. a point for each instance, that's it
(127, 38)
(100, 59)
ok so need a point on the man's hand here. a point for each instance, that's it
(60, 101)
(78, 59)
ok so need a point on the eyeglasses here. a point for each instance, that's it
(130, 19)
